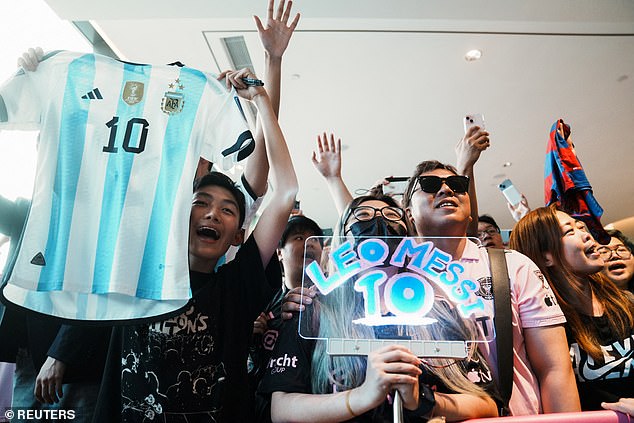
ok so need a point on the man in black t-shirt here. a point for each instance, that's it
(300, 244)
(192, 367)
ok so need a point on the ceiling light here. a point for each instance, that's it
(473, 55)
(507, 164)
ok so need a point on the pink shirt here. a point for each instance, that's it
(533, 305)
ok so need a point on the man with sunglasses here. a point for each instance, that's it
(438, 204)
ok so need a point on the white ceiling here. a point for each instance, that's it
(389, 77)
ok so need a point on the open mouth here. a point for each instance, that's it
(590, 250)
(444, 204)
(207, 232)
(616, 266)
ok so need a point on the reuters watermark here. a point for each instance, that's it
(27, 414)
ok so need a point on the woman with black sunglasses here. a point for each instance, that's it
(437, 203)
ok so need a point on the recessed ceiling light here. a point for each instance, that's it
(507, 164)
(473, 55)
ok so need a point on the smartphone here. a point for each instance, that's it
(396, 185)
(476, 119)
(511, 193)
(253, 82)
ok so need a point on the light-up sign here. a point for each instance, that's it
(409, 294)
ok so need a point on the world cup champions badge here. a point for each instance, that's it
(173, 100)
(133, 92)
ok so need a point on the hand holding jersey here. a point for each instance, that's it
(31, 59)
(248, 92)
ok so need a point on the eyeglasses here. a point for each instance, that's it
(431, 184)
(489, 232)
(364, 213)
(621, 251)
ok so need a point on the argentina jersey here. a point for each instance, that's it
(106, 237)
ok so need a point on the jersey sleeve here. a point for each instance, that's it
(251, 200)
(227, 138)
(20, 104)
(536, 302)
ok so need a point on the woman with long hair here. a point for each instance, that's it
(310, 385)
(600, 318)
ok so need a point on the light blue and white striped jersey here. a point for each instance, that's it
(106, 237)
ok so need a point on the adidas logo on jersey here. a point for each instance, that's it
(92, 95)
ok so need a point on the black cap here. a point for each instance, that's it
(300, 223)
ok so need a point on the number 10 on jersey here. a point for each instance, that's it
(140, 139)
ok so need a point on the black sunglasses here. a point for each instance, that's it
(431, 184)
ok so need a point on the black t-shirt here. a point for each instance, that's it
(260, 354)
(611, 378)
(289, 370)
(191, 367)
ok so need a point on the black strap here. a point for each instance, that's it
(502, 321)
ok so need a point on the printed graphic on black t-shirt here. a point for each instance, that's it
(173, 366)
(610, 378)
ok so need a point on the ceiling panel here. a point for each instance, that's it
(393, 83)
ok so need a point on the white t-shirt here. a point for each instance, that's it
(533, 304)
(106, 236)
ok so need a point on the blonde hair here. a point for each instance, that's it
(333, 317)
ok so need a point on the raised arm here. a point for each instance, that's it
(468, 152)
(275, 37)
(327, 161)
(520, 210)
(283, 178)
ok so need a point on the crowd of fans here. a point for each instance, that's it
(571, 303)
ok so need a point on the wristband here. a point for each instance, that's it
(426, 402)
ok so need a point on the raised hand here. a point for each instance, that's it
(327, 158)
(277, 33)
(468, 149)
(520, 210)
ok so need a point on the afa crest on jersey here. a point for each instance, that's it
(172, 102)
(132, 92)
